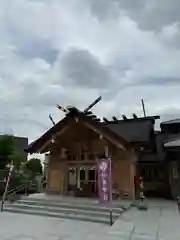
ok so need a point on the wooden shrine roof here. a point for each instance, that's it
(106, 132)
(136, 131)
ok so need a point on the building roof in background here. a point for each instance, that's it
(21, 143)
(170, 136)
(177, 120)
(170, 139)
(172, 143)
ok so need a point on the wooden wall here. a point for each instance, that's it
(123, 170)
(58, 176)
(174, 178)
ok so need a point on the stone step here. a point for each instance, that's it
(72, 200)
(83, 212)
(72, 216)
(70, 205)
(66, 207)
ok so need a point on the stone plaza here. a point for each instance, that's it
(160, 222)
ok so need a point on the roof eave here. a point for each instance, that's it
(35, 147)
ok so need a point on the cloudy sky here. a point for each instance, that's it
(71, 51)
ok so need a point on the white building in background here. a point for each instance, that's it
(46, 163)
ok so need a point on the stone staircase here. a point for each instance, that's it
(68, 208)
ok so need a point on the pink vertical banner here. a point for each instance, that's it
(104, 181)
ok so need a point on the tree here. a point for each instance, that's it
(18, 159)
(6, 150)
(34, 166)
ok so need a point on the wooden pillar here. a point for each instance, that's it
(58, 176)
(174, 178)
(64, 177)
(123, 171)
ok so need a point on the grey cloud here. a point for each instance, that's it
(149, 14)
(157, 14)
(104, 9)
(27, 25)
(22, 120)
(7, 121)
(113, 58)
(156, 81)
(30, 47)
(164, 80)
(43, 97)
(38, 49)
(81, 68)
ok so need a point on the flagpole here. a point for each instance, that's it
(105, 182)
(110, 193)
(7, 185)
(110, 186)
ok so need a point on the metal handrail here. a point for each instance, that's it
(14, 190)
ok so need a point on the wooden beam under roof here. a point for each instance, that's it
(53, 137)
(97, 119)
(93, 116)
(88, 113)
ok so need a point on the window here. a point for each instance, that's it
(91, 174)
(82, 157)
(71, 157)
(82, 174)
(91, 156)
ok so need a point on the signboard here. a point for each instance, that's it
(104, 180)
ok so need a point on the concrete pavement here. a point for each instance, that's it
(160, 222)
(28, 227)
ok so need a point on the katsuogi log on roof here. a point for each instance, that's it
(75, 115)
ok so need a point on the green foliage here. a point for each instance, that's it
(34, 166)
(17, 180)
(18, 159)
(6, 150)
